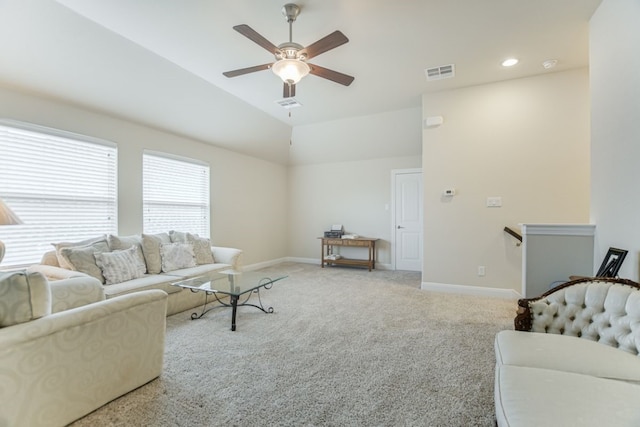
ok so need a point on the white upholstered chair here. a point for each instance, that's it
(56, 367)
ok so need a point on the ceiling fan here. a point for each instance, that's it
(291, 58)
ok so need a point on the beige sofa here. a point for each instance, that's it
(156, 270)
(58, 367)
(573, 359)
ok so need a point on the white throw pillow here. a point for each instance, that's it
(120, 266)
(176, 256)
(151, 250)
(81, 258)
(62, 262)
(201, 248)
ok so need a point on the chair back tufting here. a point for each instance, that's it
(598, 309)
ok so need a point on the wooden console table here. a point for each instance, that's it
(363, 242)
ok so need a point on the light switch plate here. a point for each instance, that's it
(494, 202)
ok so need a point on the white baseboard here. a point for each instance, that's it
(264, 264)
(470, 290)
(316, 261)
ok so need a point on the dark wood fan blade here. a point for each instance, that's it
(329, 42)
(252, 35)
(328, 74)
(289, 91)
(248, 70)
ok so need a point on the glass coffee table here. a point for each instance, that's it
(231, 283)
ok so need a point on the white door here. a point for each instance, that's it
(408, 220)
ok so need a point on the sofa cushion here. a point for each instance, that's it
(62, 262)
(201, 248)
(151, 250)
(148, 281)
(118, 243)
(82, 258)
(120, 266)
(565, 353)
(23, 297)
(176, 255)
(199, 270)
(533, 397)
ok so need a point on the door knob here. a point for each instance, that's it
(399, 227)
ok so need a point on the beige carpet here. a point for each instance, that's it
(345, 347)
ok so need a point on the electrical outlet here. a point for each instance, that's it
(481, 270)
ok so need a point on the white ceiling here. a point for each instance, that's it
(160, 62)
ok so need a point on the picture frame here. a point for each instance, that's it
(611, 263)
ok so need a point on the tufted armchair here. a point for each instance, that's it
(605, 310)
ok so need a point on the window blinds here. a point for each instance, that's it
(63, 186)
(175, 194)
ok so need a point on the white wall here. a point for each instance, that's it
(525, 140)
(384, 135)
(248, 195)
(615, 130)
(340, 173)
(353, 194)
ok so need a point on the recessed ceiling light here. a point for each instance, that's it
(550, 63)
(509, 62)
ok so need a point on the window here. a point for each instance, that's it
(175, 194)
(63, 186)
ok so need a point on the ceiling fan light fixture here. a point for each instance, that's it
(290, 70)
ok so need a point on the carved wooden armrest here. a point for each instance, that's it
(523, 319)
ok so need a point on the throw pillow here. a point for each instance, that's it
(151, 250)
(62, 262)
(120, 266)
(201, 248)
(23, 297)
(81, 258)
(177, 255)
(118, 243)
(178, 236)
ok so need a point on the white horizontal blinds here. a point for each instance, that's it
(62, 186)
(176, 195)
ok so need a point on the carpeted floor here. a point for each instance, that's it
(345, 347)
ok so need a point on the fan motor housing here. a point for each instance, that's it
(290, 50)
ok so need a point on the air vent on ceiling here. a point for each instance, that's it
(288, 103)
(441, 72)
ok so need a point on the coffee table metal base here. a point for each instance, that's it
(233, 304)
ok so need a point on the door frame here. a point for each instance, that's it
(394, 175)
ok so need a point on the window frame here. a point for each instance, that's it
(61, 186)
(204, 206)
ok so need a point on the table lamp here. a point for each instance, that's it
(7, 217)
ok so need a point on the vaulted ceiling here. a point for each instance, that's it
(160, 62)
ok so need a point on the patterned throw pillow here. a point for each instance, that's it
(82, 259)
(151, 250)
(62, 262)
(120, 266)
(201, 248)
(178, 236)
(23, 297)
(118, 243)
(176, 256)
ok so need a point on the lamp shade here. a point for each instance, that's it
(290, 70)
(7, 216)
